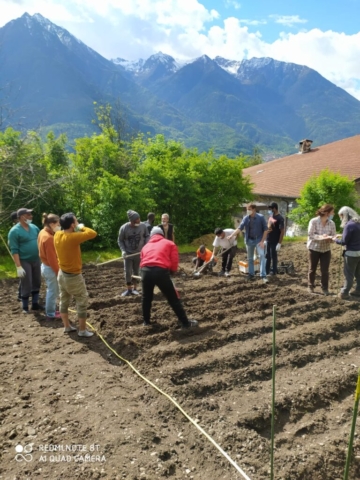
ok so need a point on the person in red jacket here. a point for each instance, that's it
(158, 258)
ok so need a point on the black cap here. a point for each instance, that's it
(13, 216)
(273, 205)
(23, 211)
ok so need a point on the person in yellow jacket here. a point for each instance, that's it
(71, 282)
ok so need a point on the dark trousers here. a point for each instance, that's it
(30, 283)
(271, 255)
(324, 258)
(351, 270)
(160, 277)
(227, 259)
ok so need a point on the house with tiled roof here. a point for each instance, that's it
(281, 180)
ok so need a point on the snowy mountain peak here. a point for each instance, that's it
(230, 66)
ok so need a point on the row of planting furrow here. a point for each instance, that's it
(239, 330)
(294, 349)
(253, 376)
(246, 363)
(292, 408)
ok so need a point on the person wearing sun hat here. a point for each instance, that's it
(133, 235)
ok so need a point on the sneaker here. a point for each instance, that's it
(69, 329)
(147, 324)
(25, 311)
(127, 293)
(355, 294)
(326, 293)
(134, 292)
(344, 296)
(311, 289)
(85, 333)
(264, 280)
(192, 323)
(227, 274)
(56, 316)
(36, 306)
(221, 274)
(249, 278)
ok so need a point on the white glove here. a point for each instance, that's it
(278, 246)
(20, 272)
(79, 227)
(124, 254)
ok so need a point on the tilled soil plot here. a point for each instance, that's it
(81, 413)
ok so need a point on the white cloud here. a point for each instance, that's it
(232, 4)
(288, 20)
(186, 29)
(252, 22)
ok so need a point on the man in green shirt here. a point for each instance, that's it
(24, 249)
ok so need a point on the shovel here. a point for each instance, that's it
(197, 274)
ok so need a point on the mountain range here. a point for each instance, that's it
(50, 79)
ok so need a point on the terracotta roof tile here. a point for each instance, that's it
(286, 176)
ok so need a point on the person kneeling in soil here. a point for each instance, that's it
(350, 221)
(71, 282)
(204, 255)
(158, 258)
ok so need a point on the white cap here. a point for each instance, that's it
(156, 231)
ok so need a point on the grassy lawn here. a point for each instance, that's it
(8, 270)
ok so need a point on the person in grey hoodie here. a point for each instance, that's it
(133, 235)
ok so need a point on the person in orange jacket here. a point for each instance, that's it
(203, 255)
(49, 262)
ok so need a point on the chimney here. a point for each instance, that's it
(305, 145)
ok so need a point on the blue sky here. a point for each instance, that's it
(322, 34)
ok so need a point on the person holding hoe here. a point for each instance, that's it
(158, 259)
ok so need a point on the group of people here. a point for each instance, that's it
(261, 236)
(150, 251)
(54, 253)
(321, 234)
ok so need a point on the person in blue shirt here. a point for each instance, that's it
(255, 229)
(24, 249)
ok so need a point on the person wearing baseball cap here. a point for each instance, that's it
(24, 249)
(133, 235)
(276, 230)
(158, 258)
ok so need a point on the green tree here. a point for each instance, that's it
(198, 191)
(327, 187)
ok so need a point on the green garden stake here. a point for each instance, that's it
(273, 396)
(356, 406)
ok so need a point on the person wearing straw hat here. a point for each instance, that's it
(24, 249)
(158, 259)
(133, 235)
(350, 221)
(71, 282)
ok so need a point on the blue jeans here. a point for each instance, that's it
(250, 247)
(52, 290)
